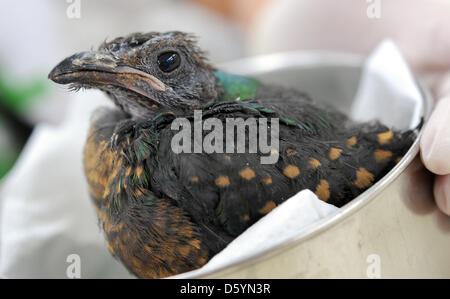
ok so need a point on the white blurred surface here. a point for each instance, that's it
(420, 28)
(380, 96)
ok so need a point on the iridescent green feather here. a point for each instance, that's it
(237, 86)
(244, 88)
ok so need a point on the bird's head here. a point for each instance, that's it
(144, 72)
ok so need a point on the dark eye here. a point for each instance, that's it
(168, 61)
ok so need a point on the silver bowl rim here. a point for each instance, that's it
(267, 63)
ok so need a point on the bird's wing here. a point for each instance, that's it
(150, 235)
(230, 191)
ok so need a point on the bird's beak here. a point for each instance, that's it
(98, 69)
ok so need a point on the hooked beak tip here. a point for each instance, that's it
(67, 69)
(53, 75)
(97, 68)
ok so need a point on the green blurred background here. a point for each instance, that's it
(17, 96)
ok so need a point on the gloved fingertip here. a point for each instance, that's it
(435, 142)
(442, 193)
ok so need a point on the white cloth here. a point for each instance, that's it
(46, 213)
(290, 219)
(379, 96)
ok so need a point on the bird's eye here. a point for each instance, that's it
(168, 61)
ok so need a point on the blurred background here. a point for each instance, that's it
(41, 221)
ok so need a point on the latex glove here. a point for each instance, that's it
(435, 148)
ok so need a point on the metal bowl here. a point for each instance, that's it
(391, 230)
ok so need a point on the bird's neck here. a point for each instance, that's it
(228, 86)
(236, 86)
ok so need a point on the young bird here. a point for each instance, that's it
(165, 213)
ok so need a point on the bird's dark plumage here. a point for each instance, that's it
(164, 213)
